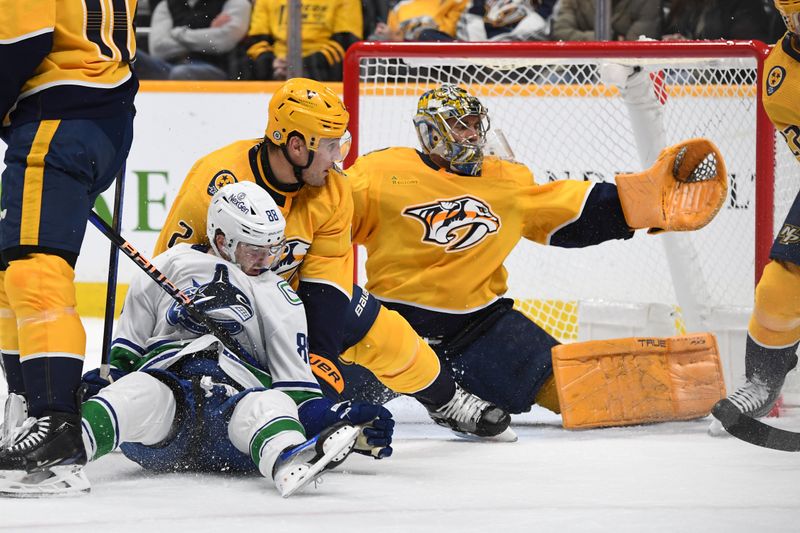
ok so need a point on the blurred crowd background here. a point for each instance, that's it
(249, 39)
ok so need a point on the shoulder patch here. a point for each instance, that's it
(289, 293)
(220, 179)
(775, 78)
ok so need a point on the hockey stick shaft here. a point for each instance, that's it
(754, 431)
(170, 288)
(111, 287)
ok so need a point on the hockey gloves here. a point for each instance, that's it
(682, 191)
(94, 383)
(375, 421)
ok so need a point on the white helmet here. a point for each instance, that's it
(245, 213)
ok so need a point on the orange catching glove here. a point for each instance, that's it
(682, 191)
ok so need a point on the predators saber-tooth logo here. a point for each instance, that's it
(455, 224)
(789, 234)
(294, 252)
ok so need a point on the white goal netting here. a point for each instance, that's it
(566, 121)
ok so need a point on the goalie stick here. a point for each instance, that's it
(170, 288)
(748, 429)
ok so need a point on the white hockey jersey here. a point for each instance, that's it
(262, 313)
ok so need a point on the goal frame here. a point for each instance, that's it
(765, 139)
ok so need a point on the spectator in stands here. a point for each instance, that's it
(422, 20)
(573, 20)
(328, 28)
(506, 20)
(375, 12)
(716, 19)
(191, 39)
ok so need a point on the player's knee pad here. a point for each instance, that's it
(9, 342)
(776, 315)
(41, 293)
(263, 424)
(394, 352)
(135, 408)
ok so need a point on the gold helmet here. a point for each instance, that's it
(790, 11)
(306, 107)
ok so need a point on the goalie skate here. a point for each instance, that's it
(69, 480)
(298, 466)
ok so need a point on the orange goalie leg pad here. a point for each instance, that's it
(41, 292)
(620, 382)
(397, 356)
(776, 315)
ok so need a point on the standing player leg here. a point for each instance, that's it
(774, 330)
(55, 170)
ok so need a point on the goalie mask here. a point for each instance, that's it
(501, 13)
(790, 11)
(452, 124)
(246, 214)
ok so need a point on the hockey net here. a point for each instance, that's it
(566, 121)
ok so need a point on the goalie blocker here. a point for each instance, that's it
(620, 382)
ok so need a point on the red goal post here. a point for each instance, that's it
(565, 120)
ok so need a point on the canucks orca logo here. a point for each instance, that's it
(293, 254)
(456, 224)
(220, 299)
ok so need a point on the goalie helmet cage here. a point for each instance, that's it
(563, 122)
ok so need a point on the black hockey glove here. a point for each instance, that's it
(375, 421)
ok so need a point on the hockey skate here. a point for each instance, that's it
(14, 420)
(299, 465)
(46, 460)
(469, 416)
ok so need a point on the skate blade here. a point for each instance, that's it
(347, 436)
(506, 436)
(58, 481)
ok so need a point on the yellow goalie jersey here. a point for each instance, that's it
(317, 218)
(782, 87)
(437, 240)
(58, 56)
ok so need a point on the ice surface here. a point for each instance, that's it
(668, 477)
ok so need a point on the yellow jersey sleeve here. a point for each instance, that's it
(550, 207)
(782, 90)
(330, 255)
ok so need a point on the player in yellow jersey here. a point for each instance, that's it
(425, 20)
(439, 223)
(295, 162)
(774, 329)
(328, 29)
(66, 102)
